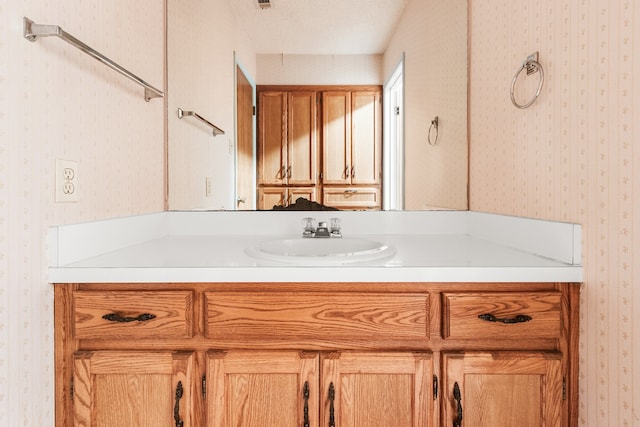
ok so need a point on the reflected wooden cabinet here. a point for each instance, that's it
(352, 149)
(348, 124)
(287, 138)
(287, 147)
(351, 137)
(343, 354)
(268, 197)
(350, 197)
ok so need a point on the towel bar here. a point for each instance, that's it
(33, 31)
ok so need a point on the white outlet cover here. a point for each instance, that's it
(66, 181)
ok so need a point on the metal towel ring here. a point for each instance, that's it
(434, 124)
(532, 66)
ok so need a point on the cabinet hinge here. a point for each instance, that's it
(204, 387)
(254, 110)
(564, 388)
(435, 387)
(71, 389)
(396, 110)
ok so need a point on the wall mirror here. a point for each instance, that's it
(218, 52)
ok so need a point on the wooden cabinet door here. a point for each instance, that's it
(377, 390)
(352, 137)
(502, 389)
(366, 137)
(308, 193)
(336, 137)
(302, 151)
(357, 198)
(268, 197)
(262, 388)
(288, 148)
(133, 388)
(272, 138)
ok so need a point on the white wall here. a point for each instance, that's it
(319, 69)
(58, 103)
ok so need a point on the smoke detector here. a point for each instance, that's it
(264, 4)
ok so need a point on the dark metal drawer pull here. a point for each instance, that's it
(115, 317)
(458, 398)
(305, 394)
(332, 397)
(520, 318)
(176, 406)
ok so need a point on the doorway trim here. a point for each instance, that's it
(393, 140)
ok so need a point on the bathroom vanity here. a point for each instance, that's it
(168, 319)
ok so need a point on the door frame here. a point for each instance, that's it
(393, 184)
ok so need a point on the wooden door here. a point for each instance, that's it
(272, 137)
(502, 389)
(336, 137)
(129, 388)
(366, 137)
(245, 176)
(377, 390)
(302, 151)
(262, 388)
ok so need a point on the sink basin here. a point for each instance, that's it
(319, 251)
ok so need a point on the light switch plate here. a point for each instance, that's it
(207, 186)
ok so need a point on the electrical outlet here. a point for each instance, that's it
(207, 187)
(66, 181)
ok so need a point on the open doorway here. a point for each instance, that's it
(245, 144)
(393, 142)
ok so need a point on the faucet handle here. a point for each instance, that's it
(335, 227)
(308, 226)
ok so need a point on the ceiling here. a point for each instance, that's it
(327, 27)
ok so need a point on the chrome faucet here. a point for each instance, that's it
(321, 230)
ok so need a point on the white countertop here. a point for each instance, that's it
(211, 247)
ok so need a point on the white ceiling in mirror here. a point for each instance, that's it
(328, 27)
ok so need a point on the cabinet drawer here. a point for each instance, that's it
(133, 314)
(282, 316)
(512, 315)
(352, 197)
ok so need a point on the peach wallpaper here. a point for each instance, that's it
(58, 103)
(202, 32)
(572, 156)
(433, 36)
